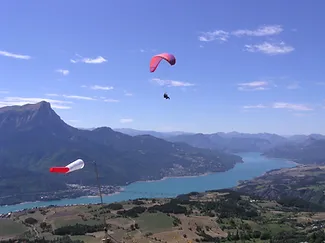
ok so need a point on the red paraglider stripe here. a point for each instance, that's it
(59, 169)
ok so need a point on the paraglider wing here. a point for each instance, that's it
(75, 165)
(155, 60)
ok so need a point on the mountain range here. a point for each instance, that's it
(33, 138)
(304, 149)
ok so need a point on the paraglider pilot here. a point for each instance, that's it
(166, 96)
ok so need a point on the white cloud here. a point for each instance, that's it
(64, 72)
(223, 36)
(13, 55)
(78, 97)
(265, 30)
(220, 35)
(127, 93)
(293, 86)
(54, 95)
(88, 60)
(255, 85)
(171, 83)
(147, 50)
(4, 92)
(111, 100)
(296, 107)
(98, 87)
(56, 104)
(269, 48)
(126, 120)
(260, 106)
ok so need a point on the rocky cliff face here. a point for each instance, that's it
(29, 117)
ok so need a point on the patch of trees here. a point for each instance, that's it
(133, 212)
(78, 229)
(176, 221)
(231, 207)
(168, 208)
(317, 237)
(289, 237)
(138, 202)
(206, 237)
(64, 239)
(300, 204)
(134, 226)
(30, 220)
(45, 227)
(113, 206)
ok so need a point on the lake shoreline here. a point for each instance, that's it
(168, 187)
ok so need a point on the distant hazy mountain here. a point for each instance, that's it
(34, 138)
(232, 142)
(133, 132)
(271, 144)
(309, 150)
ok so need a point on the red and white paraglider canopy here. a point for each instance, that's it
(75, 165)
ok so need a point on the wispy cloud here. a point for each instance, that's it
(270, 48)
(98, 87)
(255, 85)
(171, 83)
(64, 72)
(147, 50)
(127, 93)
(259, 106)
(290, 106)
(263, 31)
(219, 35)
(126, 120)
(13, 55)
(78, 97)
(57, 104)
(293, 86)
(96, 60)
(281, 105)
(54, 95)
(266, 30)
(4, 92)
(223, 36)
(111, 100)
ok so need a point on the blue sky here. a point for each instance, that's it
(253, 67)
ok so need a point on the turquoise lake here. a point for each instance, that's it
(254, 165)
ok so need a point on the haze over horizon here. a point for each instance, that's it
(252, 68)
